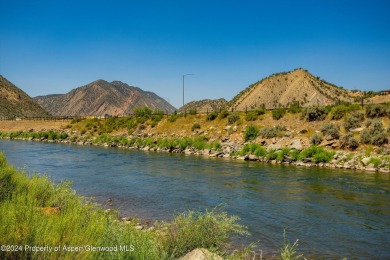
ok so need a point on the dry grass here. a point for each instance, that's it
(26, 125)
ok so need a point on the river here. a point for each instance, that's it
(333, 213)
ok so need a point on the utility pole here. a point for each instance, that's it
(183, 85)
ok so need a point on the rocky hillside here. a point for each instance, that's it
(16, 103)
(281, 89)
(101, 97)
(205, 105)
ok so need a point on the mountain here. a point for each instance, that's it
(16, 103)
(203, 106)
(281, 89)
(101, 97)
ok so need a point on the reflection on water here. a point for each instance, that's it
(333, 213)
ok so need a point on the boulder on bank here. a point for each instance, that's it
(296, 144)
(201, 254)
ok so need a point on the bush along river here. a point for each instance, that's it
(334, 213)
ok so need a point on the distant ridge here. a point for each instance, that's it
(100, 98)
(281, 89)
(203, 106)
(16, 103)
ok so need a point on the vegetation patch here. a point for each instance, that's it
(330, 130)
(318, 154)
(377, 110)
(278, 113)
(233, 118)
(375, 134)
(271, 132)
(251, 132)
(313, 113)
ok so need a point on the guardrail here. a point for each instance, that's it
(48, 118)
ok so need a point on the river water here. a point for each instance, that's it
(333, 213)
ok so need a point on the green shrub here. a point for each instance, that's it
(329, 129)
(375, 134)
(375, 161)
(376, 126)
(195, 127)
(295, 155)
(272, 155)
(319, 154)
(316, 139)
(251, 132)
(199, 142)
(365, 136)
(278, 113)
(379, 139)
(212, 116)
(282, 153)
(216, 145)
(294, 108)
(259, 151)
(173, 118)
(348, 141)
(63, 136)
(338, 112)
(157, 116)
(352, 122)
(190, 230)
(255, 149)
(251, 116)
(313, 113)
(377, 110)
(223, 114)
(142, 112)
(260, 110)
(271, 132)
(233, 117)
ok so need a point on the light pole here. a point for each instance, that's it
(183, 85)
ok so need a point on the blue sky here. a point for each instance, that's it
(50, 47)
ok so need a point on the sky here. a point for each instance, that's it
(54, 46)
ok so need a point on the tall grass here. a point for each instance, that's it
(288, 250)
(192, 229)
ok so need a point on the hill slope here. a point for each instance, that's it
(205, 105)
(16, 103)
(101, 97)
(280, 90)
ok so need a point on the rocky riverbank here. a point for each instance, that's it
(278, 151)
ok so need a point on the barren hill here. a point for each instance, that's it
(16, 103)
(205, 105)
(280, 90)
(101, 97)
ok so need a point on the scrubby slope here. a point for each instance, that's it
(101, 97)
(205, 105)
(16, 103)
(280, 90)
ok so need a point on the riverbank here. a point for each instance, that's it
(42, 220)
(290, 154)
(344, 136)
